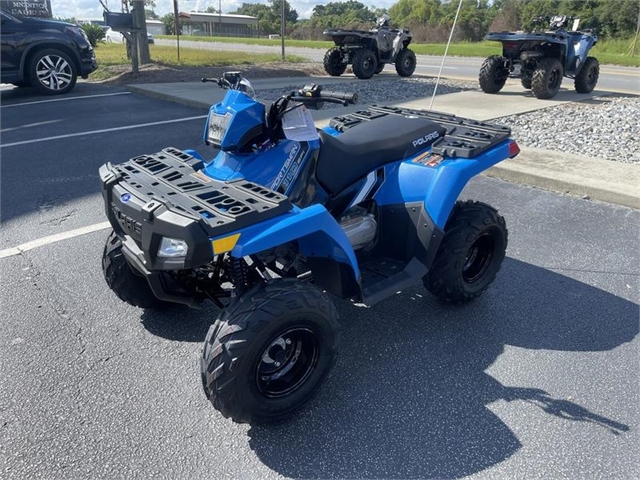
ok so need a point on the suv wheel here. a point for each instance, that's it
(52, 72)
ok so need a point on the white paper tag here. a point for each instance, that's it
(298, 125)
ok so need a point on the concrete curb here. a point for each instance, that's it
(591, 178)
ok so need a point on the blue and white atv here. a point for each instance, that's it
(542, 59)
(284, 213)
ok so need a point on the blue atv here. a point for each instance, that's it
(542, 59)
(285, 212)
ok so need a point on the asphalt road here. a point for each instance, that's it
(612, 77)
(537, 379)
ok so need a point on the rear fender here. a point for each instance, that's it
(316, 231)
(451, 177)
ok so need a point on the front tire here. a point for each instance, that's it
(334, 62)
(547, 78)
(493, 74)
(526, 82)
(269, 352)
(587, 79)
(129, 286)
(52, 72)
(406, 63)
(364, 64)
(470, 254)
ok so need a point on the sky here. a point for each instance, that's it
(86, 9)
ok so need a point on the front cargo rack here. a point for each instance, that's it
(171, 178)
(464, 138)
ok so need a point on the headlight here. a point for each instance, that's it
(217, 127)
(172, 248)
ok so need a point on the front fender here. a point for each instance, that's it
(316, 231)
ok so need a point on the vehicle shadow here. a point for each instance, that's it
(180, 323)
(408, 396)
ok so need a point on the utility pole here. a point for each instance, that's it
(176, 26)
(140, 31)
(282, 28)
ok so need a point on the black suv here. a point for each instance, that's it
(45, 54)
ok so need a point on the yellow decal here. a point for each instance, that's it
(226, 244)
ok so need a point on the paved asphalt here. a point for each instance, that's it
(537, 379)
(612, 78)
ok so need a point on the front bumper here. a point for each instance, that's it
(164, 195)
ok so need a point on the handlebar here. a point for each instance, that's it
(351, 98)
(314, 94)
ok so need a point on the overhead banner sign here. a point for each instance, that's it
(28, 8)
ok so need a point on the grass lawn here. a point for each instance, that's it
(613, 52)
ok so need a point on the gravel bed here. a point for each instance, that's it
(605, 127)
(382, 91)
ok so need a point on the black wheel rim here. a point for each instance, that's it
(554, 78)
(591, 76)
(367, 64)
(287, 362)
(478, 258)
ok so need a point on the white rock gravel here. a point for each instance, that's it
(606, 127)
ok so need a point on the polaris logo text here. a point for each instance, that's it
(426, 138)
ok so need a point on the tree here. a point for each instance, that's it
(169, 23)
(150, 14)
(269, 15)
(341, 14)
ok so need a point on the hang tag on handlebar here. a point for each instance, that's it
(298, 125)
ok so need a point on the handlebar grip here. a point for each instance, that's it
(344, 96)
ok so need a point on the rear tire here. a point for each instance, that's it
(587, 79)
(526, 82)
(380, 68)
(493, 74)
(470, 254)
(333, 62)
(364, 64)
(52, 72)
(547, 78)
(406, 62)
(269, 352)
(129, 286)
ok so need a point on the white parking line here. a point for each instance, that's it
(64, 99)
(25, 247)
(93, 132)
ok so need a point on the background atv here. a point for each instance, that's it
(369, 51)
(541, 59)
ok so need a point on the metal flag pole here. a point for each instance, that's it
(435, 89)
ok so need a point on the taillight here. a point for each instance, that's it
(514, 149)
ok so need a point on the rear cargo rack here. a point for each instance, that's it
(464, 138)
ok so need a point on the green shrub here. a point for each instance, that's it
(95, 33)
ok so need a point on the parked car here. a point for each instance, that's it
(47, 55)
(111, 36)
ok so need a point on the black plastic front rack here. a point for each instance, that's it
(464, 138)
(165, 194)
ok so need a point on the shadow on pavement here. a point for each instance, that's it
(180, 323)
(408, 396)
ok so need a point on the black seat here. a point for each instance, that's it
(352, 155)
